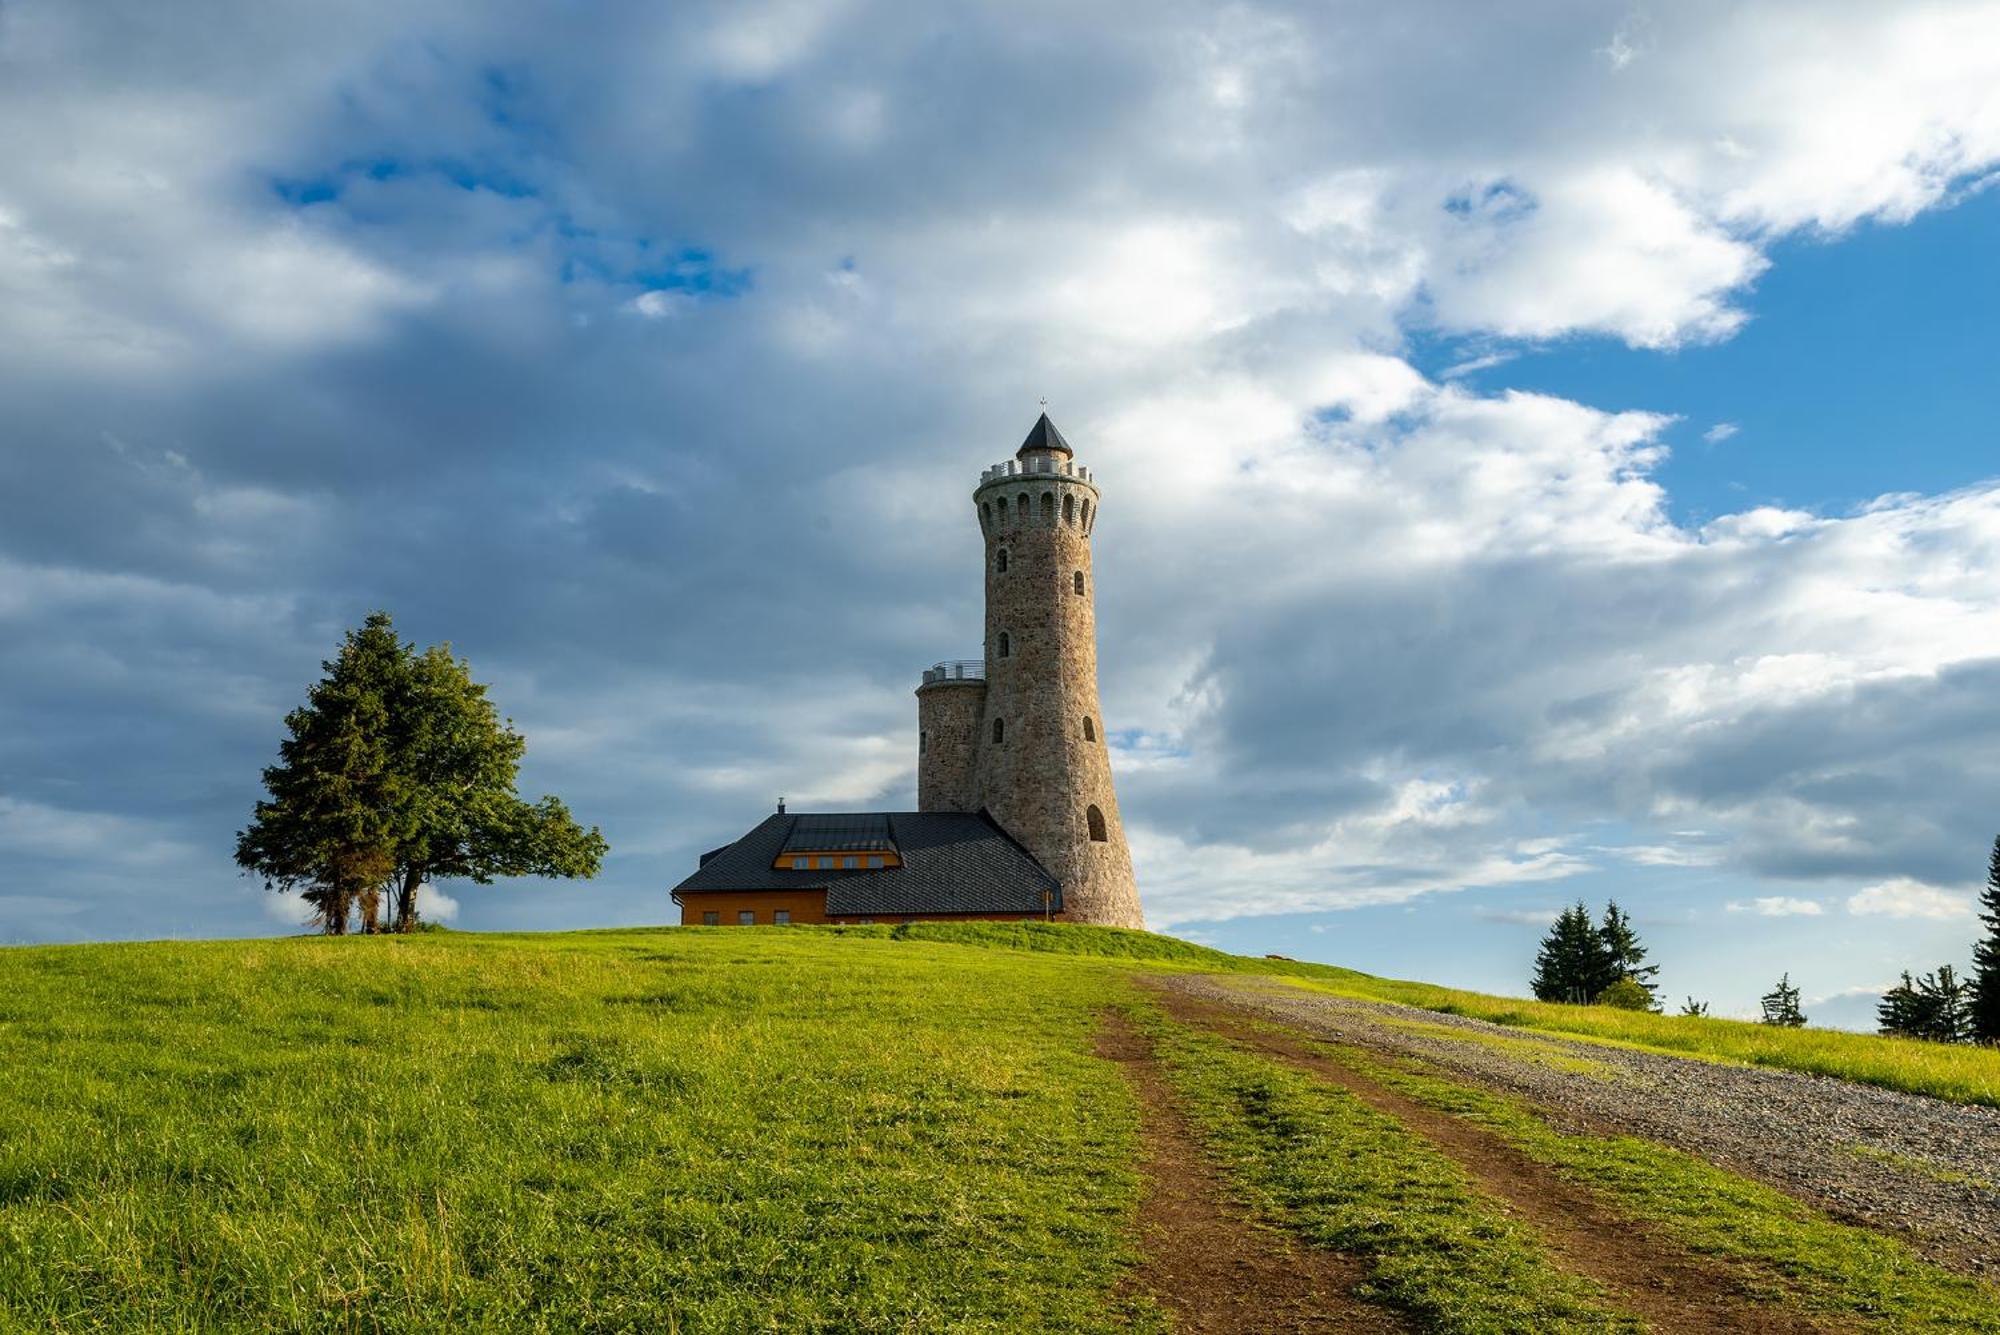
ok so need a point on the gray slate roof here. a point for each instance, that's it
(1044, 436)
(953, 862)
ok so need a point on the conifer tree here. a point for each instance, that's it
(1899, 1014)
(1624, 956)
(1781, 1005)
(1695, 1009)
(327, 828)
(1985, 987)
(1947, 1013)
(1572, 964)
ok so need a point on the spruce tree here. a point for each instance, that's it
(1943, 1012)
(1985, 986)
(1694, 1009)
(327, 830)
(1572, 964)
(1624, 956)
(1899, 1014)
(1781, 1005)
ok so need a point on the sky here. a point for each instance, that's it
(1547, 450)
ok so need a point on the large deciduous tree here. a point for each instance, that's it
(462, 816)
(400, 771)
(1985, 999)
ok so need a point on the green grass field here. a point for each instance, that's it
(741, 1130)
(696, 1130)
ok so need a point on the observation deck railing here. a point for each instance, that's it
(1039, 467)
(956, 669)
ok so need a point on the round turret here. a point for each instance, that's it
(951, 703)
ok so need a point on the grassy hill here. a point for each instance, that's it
(738, 1129)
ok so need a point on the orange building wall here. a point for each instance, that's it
(806, 905)
(810, 906)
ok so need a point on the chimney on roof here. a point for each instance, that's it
(781, 806)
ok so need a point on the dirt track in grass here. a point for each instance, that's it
(1646, 1274)
(1918, 1167)
(1204, 1260)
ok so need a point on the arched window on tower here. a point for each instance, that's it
(1086, 517)
(1069, 508)
(1076, 582)
(1000, 562)
(1006, 648)
(1048, 509)
(986, 514)
(924, 738)
(1021, 508)
(1000, 732)
(1096, 821)
(1089, 731)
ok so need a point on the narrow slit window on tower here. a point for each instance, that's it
(1096, 820)
(1006, 647)
(924, 740)
(986, 514)
(1021, 508)
(1089, 731)
(1000, 562)
(1076, 581)
(999, 729)
(1049, 509)
(1086, 516)
(1069, 509)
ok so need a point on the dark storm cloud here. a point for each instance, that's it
(649, 359)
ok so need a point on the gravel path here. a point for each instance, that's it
(1919, 1166)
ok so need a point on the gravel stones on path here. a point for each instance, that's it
(1917, 1166)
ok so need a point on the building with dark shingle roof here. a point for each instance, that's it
(1017, 814)
(868, 866)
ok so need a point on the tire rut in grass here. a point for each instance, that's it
(1668, 1287)
(1203, 1260)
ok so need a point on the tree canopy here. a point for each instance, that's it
(399, 771)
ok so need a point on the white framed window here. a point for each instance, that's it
(711, 918)
(746, 917)
(782, 917)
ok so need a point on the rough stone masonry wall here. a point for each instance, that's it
(948, 717)
(1040, 780)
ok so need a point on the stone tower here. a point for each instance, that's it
(1021, 736)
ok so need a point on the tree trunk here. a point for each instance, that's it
(406, 898)
(333, 907)
(371, 910)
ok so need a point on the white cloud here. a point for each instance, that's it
(1720, 432)
(1779, 906)
(1902, 897)
(434, 905)
(1367, 634)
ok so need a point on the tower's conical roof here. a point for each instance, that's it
(1044, 436)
